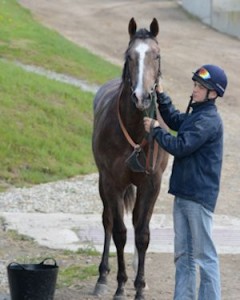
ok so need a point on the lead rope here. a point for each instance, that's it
(152, 157)
(159, 117)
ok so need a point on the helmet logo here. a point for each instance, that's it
(204, 74)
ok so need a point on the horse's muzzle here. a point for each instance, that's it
(142, 102)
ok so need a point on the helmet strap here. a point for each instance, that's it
(207, 95)
(189, 105)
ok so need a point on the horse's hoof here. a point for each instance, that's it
(139, 297)
(120, 294)
(146, 288)
(119, 297)
(100, 289)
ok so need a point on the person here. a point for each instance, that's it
(195, 180)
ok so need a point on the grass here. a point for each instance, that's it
(45, 126)
(71, 275)
(22, 38)
(45, 132)
(14, 235)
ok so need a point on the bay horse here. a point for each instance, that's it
(130, 164)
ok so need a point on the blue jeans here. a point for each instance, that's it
(193, 245)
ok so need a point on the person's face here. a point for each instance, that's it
(200, 92)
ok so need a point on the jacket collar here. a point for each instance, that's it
(196, 106)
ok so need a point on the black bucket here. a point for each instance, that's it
(32, 281)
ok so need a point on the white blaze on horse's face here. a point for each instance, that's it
(141, 49)
(144, 68)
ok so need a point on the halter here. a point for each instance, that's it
(127, 76)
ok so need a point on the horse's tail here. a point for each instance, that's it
(129, 198)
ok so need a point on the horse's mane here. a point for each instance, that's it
(125, 69)
(143, 34)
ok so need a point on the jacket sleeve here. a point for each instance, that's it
(186, 142)
(171, 116)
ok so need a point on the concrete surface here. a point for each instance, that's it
(74, 231)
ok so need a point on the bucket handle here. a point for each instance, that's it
(55, 263)
(41, 263)
(17, 264)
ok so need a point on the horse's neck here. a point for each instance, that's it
(131, 117)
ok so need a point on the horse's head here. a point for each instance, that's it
(142, 63)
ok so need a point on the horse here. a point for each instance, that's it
(129, 162)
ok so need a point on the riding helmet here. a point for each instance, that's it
(211, 77)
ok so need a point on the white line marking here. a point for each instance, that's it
(141, 49)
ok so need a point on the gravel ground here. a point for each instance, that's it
(77, 195)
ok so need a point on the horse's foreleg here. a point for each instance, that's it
(104, 269)
(141, 218)
(101, 285)
(135, 264)
(142, 242)
(120, 237)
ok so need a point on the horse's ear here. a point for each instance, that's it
(154, 28)
(132, 28)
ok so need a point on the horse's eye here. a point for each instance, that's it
(158, 56)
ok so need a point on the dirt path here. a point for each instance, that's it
(101, 26)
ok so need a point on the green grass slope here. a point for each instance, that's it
(45, 125)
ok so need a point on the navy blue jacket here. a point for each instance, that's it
(197, 150)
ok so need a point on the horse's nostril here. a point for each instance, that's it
(147, 96)
(134, 97)
(141, 97)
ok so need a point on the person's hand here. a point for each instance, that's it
(159, 87)
(149, 124)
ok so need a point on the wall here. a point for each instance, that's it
(223, 15)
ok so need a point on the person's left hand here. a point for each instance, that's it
(149, 123)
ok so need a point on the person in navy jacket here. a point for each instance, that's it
(195, 180)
